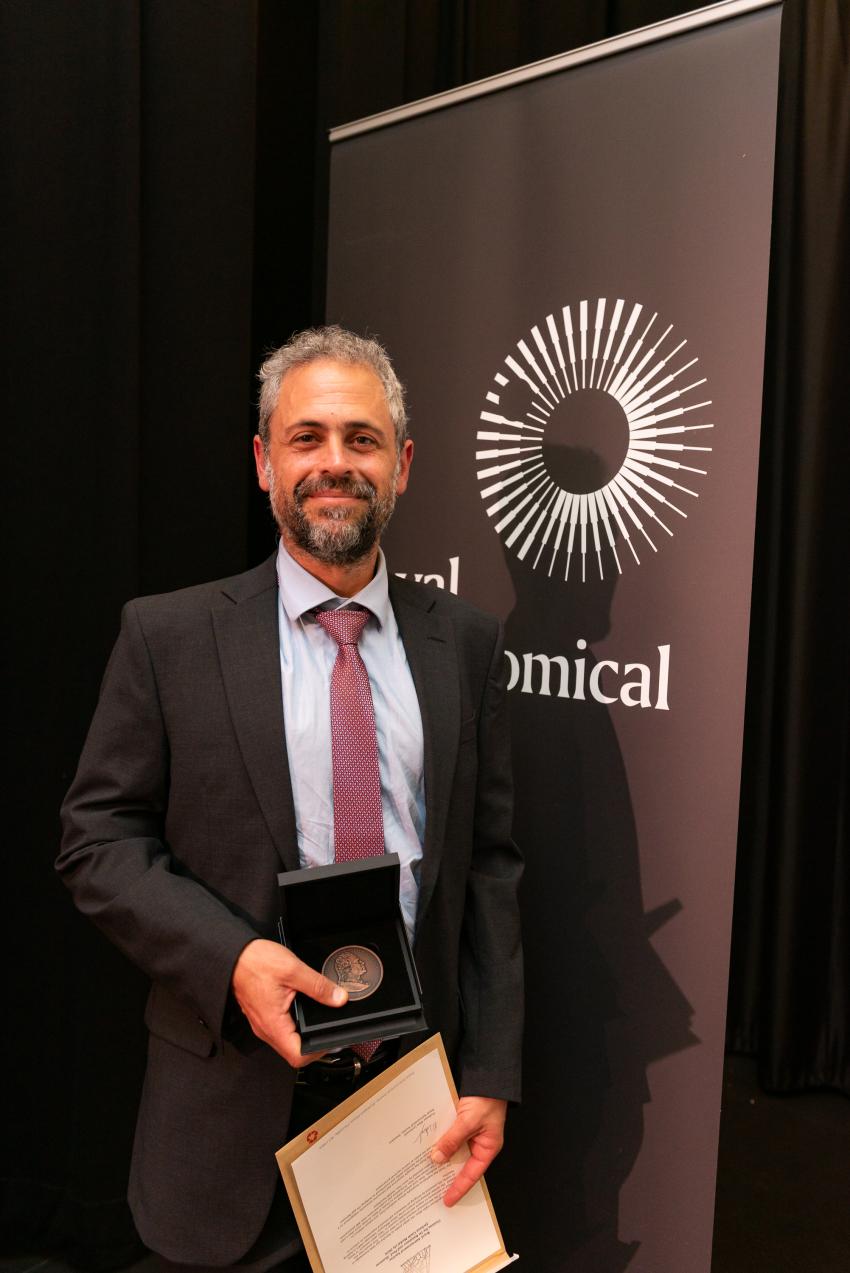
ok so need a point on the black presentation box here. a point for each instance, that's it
(326, 908)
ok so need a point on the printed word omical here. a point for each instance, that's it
(555, 675)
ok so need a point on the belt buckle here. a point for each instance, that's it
(336, 1069)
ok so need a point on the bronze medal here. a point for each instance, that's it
(356, 968)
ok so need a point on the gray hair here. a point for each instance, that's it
(338, 345)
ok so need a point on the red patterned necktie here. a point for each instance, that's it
(358, 815)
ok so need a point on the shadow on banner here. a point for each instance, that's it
(600, 1003)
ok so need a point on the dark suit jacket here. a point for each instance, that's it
(175, 828)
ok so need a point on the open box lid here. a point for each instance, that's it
(328, 897)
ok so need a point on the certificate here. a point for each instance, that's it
(365, 1193)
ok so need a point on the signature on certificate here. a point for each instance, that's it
(427, 1132)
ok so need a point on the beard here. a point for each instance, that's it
(340, 536)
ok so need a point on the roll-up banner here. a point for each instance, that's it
(569, 266)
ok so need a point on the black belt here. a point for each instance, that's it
(346, 1068)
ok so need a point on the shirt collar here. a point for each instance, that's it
(302, 592)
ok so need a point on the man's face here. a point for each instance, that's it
(332, 470)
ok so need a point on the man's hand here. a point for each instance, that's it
(265, 979)
(481, 1121)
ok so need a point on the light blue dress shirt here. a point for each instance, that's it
(307, 656)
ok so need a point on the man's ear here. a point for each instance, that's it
(260, 461)
(405, 460)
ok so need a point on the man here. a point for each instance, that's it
(352, 973)
(208, 769)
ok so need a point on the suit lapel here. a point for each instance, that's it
(246, 632)
(429, 645)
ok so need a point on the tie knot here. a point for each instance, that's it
(344, 625)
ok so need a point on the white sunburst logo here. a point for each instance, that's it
(579, 384)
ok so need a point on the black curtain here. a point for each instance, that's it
(130, 134)
(789, 1001)
(165, 214)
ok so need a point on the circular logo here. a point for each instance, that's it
(591, 438)
(356, 968)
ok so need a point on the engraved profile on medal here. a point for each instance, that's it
(356, 968)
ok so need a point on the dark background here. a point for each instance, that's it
(164, 223)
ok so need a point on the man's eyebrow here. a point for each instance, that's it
(307, 423)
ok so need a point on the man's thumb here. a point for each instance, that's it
(315, 986)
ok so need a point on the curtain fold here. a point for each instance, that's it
(789, 998)
(128, 135)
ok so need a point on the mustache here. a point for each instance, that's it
(357, 488)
